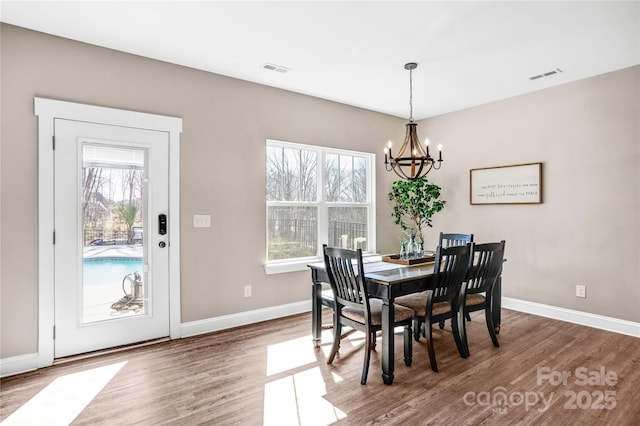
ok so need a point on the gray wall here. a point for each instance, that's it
(586, 133)
(587, 136)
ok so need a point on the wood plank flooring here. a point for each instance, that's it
(269, 373)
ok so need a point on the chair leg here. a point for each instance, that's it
(492, 330)
(463, 336)
(337, 331)
(441, 325)
(456, 333)
(367, 359)
(467, 316)
(416, 328)
(408, 346)
(432, 353)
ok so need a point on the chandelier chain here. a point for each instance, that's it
(411, 95)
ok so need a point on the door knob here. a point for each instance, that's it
(162, 244)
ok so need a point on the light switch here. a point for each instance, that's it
(201, 221)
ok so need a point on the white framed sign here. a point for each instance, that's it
(517, 184)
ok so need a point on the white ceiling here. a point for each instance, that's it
(469, 53)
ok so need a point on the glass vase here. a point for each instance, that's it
(403, 248)
(412, 246)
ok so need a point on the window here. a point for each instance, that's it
(316, 195)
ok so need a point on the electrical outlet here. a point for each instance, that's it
(247, 291)
(581, 291)
(201, 221)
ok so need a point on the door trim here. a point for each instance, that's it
(47, 110)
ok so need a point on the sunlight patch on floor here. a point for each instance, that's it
(347, 344)
(298, 400)
(336, 378)
(288, 355)
(65, 398)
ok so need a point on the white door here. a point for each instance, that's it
(111, 233)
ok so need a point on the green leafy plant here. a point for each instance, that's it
(415, 203)
(128, 213)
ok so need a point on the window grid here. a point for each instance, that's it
(352, 215)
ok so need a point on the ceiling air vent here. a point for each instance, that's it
(276, 68)
(545, 74)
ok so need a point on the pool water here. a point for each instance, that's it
(109, 270)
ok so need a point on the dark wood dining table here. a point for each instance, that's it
(385, 281)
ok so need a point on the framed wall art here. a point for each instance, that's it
(517, 184)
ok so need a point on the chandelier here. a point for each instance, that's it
(413, 159)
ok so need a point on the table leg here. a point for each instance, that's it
(316, 312)
(387, 341)
(497, 304)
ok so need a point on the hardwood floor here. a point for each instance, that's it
(269, 373)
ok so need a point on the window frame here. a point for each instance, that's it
(300, 263)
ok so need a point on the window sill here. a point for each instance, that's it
(302, 265)
(293, 266)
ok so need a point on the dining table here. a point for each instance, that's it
(386, 281)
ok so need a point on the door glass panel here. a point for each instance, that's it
(113, 193)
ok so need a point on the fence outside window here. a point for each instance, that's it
(303, 233)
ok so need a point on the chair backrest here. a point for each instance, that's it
(451, 268)
(448, 240)
(486, 266)
(346, 276)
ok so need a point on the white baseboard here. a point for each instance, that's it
(615, 325)
(18, 364)
(243, 318)
(577, 317)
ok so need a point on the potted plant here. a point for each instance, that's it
(414, 205)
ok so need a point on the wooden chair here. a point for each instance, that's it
(441, 303)
(483, 274)
(354, 309)
(449, 240)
